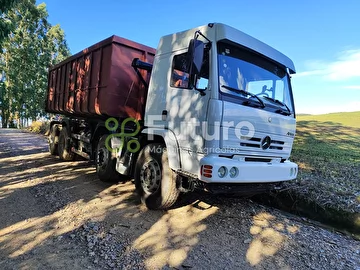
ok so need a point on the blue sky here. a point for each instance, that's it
(321, 37)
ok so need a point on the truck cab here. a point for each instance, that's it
(229, 119)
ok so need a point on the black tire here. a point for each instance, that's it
(54, 140)
(64, 147)
(155, 182)
(105, 163)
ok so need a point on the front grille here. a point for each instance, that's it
(277, 142)
(277, 145)
(256, 143)
(250, 145)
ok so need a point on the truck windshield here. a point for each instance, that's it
(244, 71)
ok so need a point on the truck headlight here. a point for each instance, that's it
(233, 172)
(222, 172)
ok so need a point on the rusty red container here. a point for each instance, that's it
(100, 81)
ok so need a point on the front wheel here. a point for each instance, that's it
(155, 182)
(105, 162)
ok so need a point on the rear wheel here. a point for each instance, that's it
(64, 145)
(105, 162)
(54, 140)
(154, 180)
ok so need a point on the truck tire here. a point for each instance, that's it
(54, 140)
(155, 181)
(105, 163)
(64, 147)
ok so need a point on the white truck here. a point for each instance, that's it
(213, 109)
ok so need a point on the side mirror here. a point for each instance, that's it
(195, 56)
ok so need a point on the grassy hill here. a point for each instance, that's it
(351, 119)
(329, 137)
(327, 149)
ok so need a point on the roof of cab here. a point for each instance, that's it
(219, 31)
(227, 32)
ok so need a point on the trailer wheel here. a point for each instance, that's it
(64, 147)
(155, 182)
(105, 163)
(54, 140)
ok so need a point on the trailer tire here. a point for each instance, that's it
(105, 163)
(155, 182)
(64, 147)
(54, 140)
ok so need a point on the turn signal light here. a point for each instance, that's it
(206, 170)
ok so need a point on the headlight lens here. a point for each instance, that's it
(222, 172)
(233, 172)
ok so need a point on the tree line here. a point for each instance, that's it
(29, 44)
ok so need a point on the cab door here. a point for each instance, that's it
(176, 105)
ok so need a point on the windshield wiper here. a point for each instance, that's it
(245, 93)
(280, 103)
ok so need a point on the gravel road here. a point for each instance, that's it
(58, 215)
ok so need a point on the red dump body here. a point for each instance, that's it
(100, 81)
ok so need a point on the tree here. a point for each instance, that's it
(5, 5)
(31, 47)
(5, 25)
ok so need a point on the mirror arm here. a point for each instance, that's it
(201, 91)
(198, 33)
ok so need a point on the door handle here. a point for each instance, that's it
(164, 115)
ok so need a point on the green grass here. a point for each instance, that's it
(327, 149)
(328, 137)
(351, 119)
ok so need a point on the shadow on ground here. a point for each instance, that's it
(45, 202)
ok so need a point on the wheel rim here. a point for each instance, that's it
(102, 157)
(150, 176)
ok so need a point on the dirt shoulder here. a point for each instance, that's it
(57, 215)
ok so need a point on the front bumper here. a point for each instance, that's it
(247, 171)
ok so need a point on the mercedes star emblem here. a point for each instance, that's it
(265, 143)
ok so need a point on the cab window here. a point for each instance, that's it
(180, 76)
